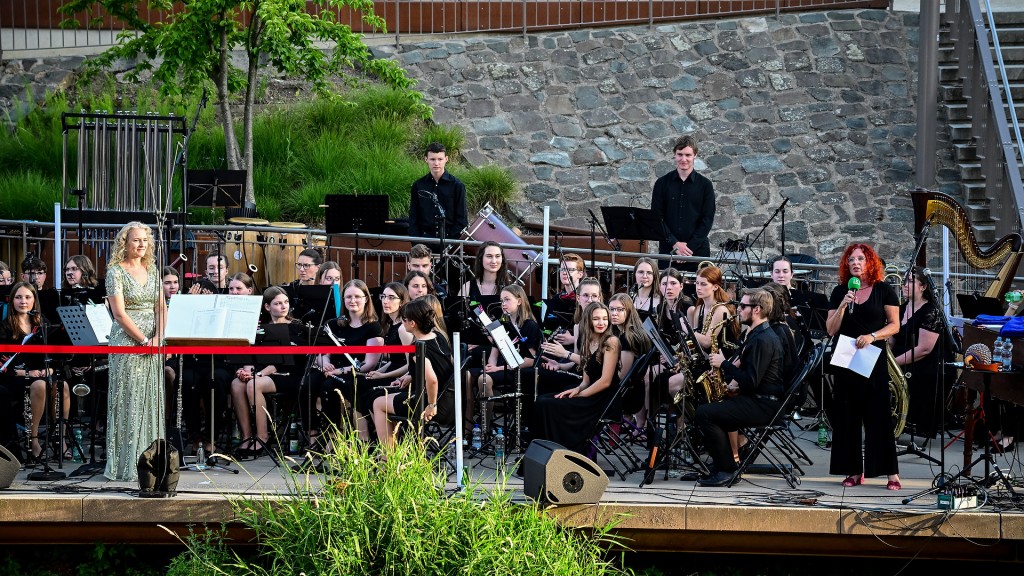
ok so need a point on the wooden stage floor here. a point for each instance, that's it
(759, 515)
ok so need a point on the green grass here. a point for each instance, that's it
(396, 518)
(367, 141)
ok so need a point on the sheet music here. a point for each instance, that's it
(213, 316)
(860, 360)
(101, 321)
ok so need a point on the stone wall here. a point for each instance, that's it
(815, 107)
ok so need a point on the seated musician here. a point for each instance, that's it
(392, 365)
(6, 278)
(207, 378)
(217, 271)
(627, 326)
(253, 381)
(524, 332)
(334, 379)
(307, 265)
(571, 270)
(561, 369)
(646, 295)
(709, 320)
(418, 284)
(420, 259)
(438, 397)
(756, 379)
(33, 271)
(782, 274)
(569, 417)
(171, 282)
(329, 273)
(79, 272)
(489, 272)
(27, 370)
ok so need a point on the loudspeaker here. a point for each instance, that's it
(552, 473)
(9, 466)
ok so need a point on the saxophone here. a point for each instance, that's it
(711, 381)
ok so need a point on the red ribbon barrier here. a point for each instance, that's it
(31, 349)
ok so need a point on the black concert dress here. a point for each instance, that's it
(438, 351)
(924, 388)
(571, 421)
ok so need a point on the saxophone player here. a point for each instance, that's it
(756, 376)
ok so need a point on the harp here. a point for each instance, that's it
(938, 208)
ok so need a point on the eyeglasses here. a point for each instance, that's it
(644, 273)
(303, 265)
(742, 305)
(616, 310)
(357, 297)
(388, 298)
(72, 269)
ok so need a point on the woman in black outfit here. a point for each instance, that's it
(392, 365)
(438, 398)
(918, 350)
(859, 401)
(569, 417)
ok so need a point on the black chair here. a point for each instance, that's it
(607, 439)
(776, 434)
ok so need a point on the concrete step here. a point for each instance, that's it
(965, 152)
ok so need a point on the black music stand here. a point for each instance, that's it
(348, 213)
(215, 188)
(629, 223)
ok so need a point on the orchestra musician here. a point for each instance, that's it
(437, 188)
(329, 273)
(418, 284)
(217, 270)
(562, 368)
(392, 365)
(674, 304)
(870, 315)
(571, 270)
(418, 319)
(685, 200)
(26, 371)
(647, 297)
(489, 272)
(307, 265)
(171, 283)
(79, 272)
(627, 326)
(709, 319)
(334, 380)
(755, 382)
(136, 384)
(569, 417)
(6, 278)
(33, 271)
(420, 259)
(253, 381)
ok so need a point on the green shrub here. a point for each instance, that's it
(28, 195)
(394, 517)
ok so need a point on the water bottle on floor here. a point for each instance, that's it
(499, 448)
(477, 441)
(77, 448)
(822, 434)
(201, 457)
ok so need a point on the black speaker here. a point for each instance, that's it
(552, 473)
(9, 466)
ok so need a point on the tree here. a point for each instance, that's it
(190, 50)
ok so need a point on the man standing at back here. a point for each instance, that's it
(438, 189)
(686, 202)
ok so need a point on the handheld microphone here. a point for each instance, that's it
(853, 284)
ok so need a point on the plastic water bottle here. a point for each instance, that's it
(822, 434)
(77, 448)
(477, 442)
(1007, 354)
(997, 352)
(293, 438)
(499, 447)
(201, 457)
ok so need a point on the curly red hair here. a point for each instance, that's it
(873, 269)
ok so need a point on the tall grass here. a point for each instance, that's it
(28, 196)
(394, 517)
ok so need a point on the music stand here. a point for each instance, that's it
(86, 325)
(348, 213)
(629, 223)
(215, 188)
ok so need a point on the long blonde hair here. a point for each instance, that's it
(117, 255)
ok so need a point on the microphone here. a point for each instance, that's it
(853, 284)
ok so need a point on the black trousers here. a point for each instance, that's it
(717, 419)
(862, 403)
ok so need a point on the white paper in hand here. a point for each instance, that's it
(860, 360)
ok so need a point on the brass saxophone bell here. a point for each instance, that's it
(81, 389)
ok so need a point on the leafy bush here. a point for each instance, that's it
(394, 517)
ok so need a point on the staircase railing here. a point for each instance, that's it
(971, 30)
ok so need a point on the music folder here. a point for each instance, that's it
(501, 339)
(213, 319)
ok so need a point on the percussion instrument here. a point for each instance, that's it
(489, 226)
(282, 250)
(244, 248)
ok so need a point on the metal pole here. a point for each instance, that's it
(927, 92)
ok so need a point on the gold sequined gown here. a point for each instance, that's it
(135, 398)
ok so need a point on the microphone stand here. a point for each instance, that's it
(780, 210)
(48, 474)
(595, 225)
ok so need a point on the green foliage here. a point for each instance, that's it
(491, 184)
(393, 517)
(451, 136)
(28, 195)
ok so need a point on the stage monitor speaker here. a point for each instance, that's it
(552, 473)
(9, 466)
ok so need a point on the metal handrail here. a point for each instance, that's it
(1002, 74)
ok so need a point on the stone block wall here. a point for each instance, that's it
(814, 107)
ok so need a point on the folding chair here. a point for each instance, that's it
(776, 434)
(606, 440)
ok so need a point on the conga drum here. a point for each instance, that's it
(244, 249)
(282, 250)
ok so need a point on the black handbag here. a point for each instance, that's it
(158, 470)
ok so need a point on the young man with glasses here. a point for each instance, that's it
(754, 380)
(33, 271)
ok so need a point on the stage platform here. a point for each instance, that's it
(761, 514)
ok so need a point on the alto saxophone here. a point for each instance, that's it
(711, 380)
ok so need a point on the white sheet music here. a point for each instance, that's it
(213, 316)
(860, 360)
(100, 319)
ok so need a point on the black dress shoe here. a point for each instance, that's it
(717, 479)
